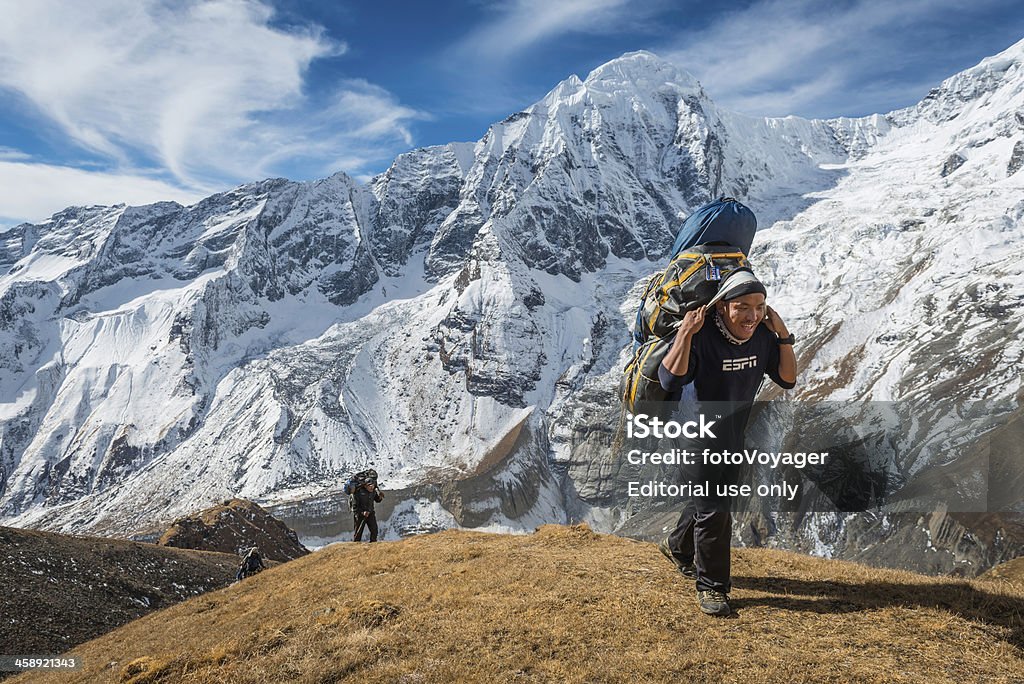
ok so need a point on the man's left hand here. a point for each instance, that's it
(774, 323)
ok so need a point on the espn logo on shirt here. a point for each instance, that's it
(739, 364)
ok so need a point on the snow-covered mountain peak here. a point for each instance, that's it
(642, 70)
(1004, 63)
(564, 90)
(994, 81)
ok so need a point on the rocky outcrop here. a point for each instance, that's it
(232, 526)
(952, 163)
(1016, 158)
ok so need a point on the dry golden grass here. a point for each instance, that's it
(1011, 571)
(567, 605)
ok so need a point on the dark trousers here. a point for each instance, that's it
(704, 530)
(369, 524)
(702, 538)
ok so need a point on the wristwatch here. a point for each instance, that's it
(786, 340)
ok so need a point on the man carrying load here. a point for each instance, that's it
(725, 361)
(364, 494)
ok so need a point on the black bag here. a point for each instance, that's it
(355, 482)
(251, 564)
(640, 382)
(690, 281)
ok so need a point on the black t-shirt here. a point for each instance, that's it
(724, 372)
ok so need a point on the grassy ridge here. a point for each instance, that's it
(565, 604)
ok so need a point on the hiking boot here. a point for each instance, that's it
(713, 602)
(689, 570)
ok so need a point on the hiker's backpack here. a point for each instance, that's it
(717, 236)
(690, 281)
(640, 382)
(724, 221)
(253, 562)
(351, 484)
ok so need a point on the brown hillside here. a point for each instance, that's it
(566, 605)
(231, 526)
(59, 590)
(1011, 571)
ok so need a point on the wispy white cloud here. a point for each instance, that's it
(209, 90)
(11, 154)
(484, 68)
(372, 111)
(32, 192)
(778, 57)
(522, 23)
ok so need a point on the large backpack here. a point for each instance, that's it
(712, 243)
(717, 236)
(690, 281)
(250, 565)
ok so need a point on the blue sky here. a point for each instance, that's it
(140, 100)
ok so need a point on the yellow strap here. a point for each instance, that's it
(694, 267)
(721, 255)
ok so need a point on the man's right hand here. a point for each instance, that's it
(366, 514)
(691, 323)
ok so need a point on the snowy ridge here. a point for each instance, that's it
(461, 318)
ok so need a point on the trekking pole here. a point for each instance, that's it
(359, 530)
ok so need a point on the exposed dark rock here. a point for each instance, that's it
(453, 242)
(60, 591)
(414, 197)
(1016, 158)
(469, 273)
(952, 163)
(534, 298)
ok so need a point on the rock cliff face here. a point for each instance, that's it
(459, 322)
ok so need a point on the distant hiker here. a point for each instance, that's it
(726, 362)
(363, 497)
(251, 564)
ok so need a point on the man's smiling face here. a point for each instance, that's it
(743, 314)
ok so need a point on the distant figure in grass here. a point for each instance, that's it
(364, 495)
(252, 563)
(726, 362)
